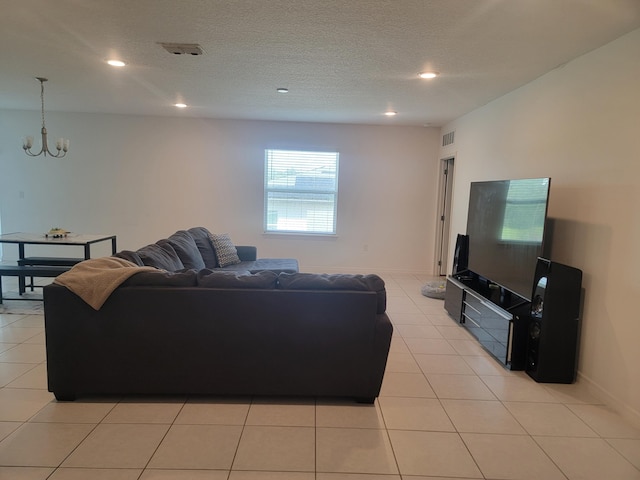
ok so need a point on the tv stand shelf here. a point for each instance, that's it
(495, 316)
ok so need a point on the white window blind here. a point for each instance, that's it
(300, 191)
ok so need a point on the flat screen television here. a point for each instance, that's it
(506, 229)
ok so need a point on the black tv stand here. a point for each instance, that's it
(495, 316)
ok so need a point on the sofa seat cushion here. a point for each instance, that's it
(162, 257)
(187, 250)
(202, 238)
(325, 281)
(276, 265)
(236, 279)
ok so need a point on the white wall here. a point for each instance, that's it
(579, 124)
(142, 178)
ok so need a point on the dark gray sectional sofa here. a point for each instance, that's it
(242, 331)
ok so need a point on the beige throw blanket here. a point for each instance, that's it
(95, 279)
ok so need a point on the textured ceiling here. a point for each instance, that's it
(344, 61)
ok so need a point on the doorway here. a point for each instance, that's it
(445, 189)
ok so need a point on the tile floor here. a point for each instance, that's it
(446, 410)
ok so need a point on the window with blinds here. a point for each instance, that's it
(300, 191)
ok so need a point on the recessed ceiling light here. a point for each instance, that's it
(390, 114)
(282, 90)
(428, 75)
(116, 63)
(181, 105)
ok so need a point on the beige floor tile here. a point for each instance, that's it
(432, 454)
(41, 444)
(20, 404)
(358, 476)
(415, 414)
(348, 414)
(454, 332)
(238, 475)
(588, 458)
(418, 331)
(25, 473)
(39, 339)
(117, 446)
(7, 346)
(398, 305)
(197, 447)
(35, 378)
(13, 334)
(282, 412)
(201, 411)
(402, 362)
(605, 422)
(144, 412)
(440, 318)
(510, 457)
(434, 346)
(443, 364)
(354, 450)
(30, 321)
(467, 347)
(80, 411)
(468, 387)
(25, 353)
(7, 427)
(481, 416)
(96, 474)
(406, 385)
(628, 448)
(553, 419)
(409, 319)
(276, 448)
(518, 388)
(12, 371)
(153, 474)
(572, 393)
(398, 345)
(486, 365)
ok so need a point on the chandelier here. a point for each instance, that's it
(62, 145)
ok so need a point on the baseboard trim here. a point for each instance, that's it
(610, 401)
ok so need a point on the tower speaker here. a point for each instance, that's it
(461, 254)
(552, 343)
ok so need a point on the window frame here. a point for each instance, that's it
(271, 155)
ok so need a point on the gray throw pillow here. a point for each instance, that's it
(226, 252)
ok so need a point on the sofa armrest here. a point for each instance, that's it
(247, 253)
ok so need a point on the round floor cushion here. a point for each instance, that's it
(434, 289)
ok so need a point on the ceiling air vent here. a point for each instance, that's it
(183, 48)
(448, 138)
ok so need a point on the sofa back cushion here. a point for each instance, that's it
(202, 238)
(133, 257)
(187, 250)
(186, 278)
(233, 279)
(325, 281)
(164, 258)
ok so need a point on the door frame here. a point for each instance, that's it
(443, 222)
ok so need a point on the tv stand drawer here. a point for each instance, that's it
(491, 325)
